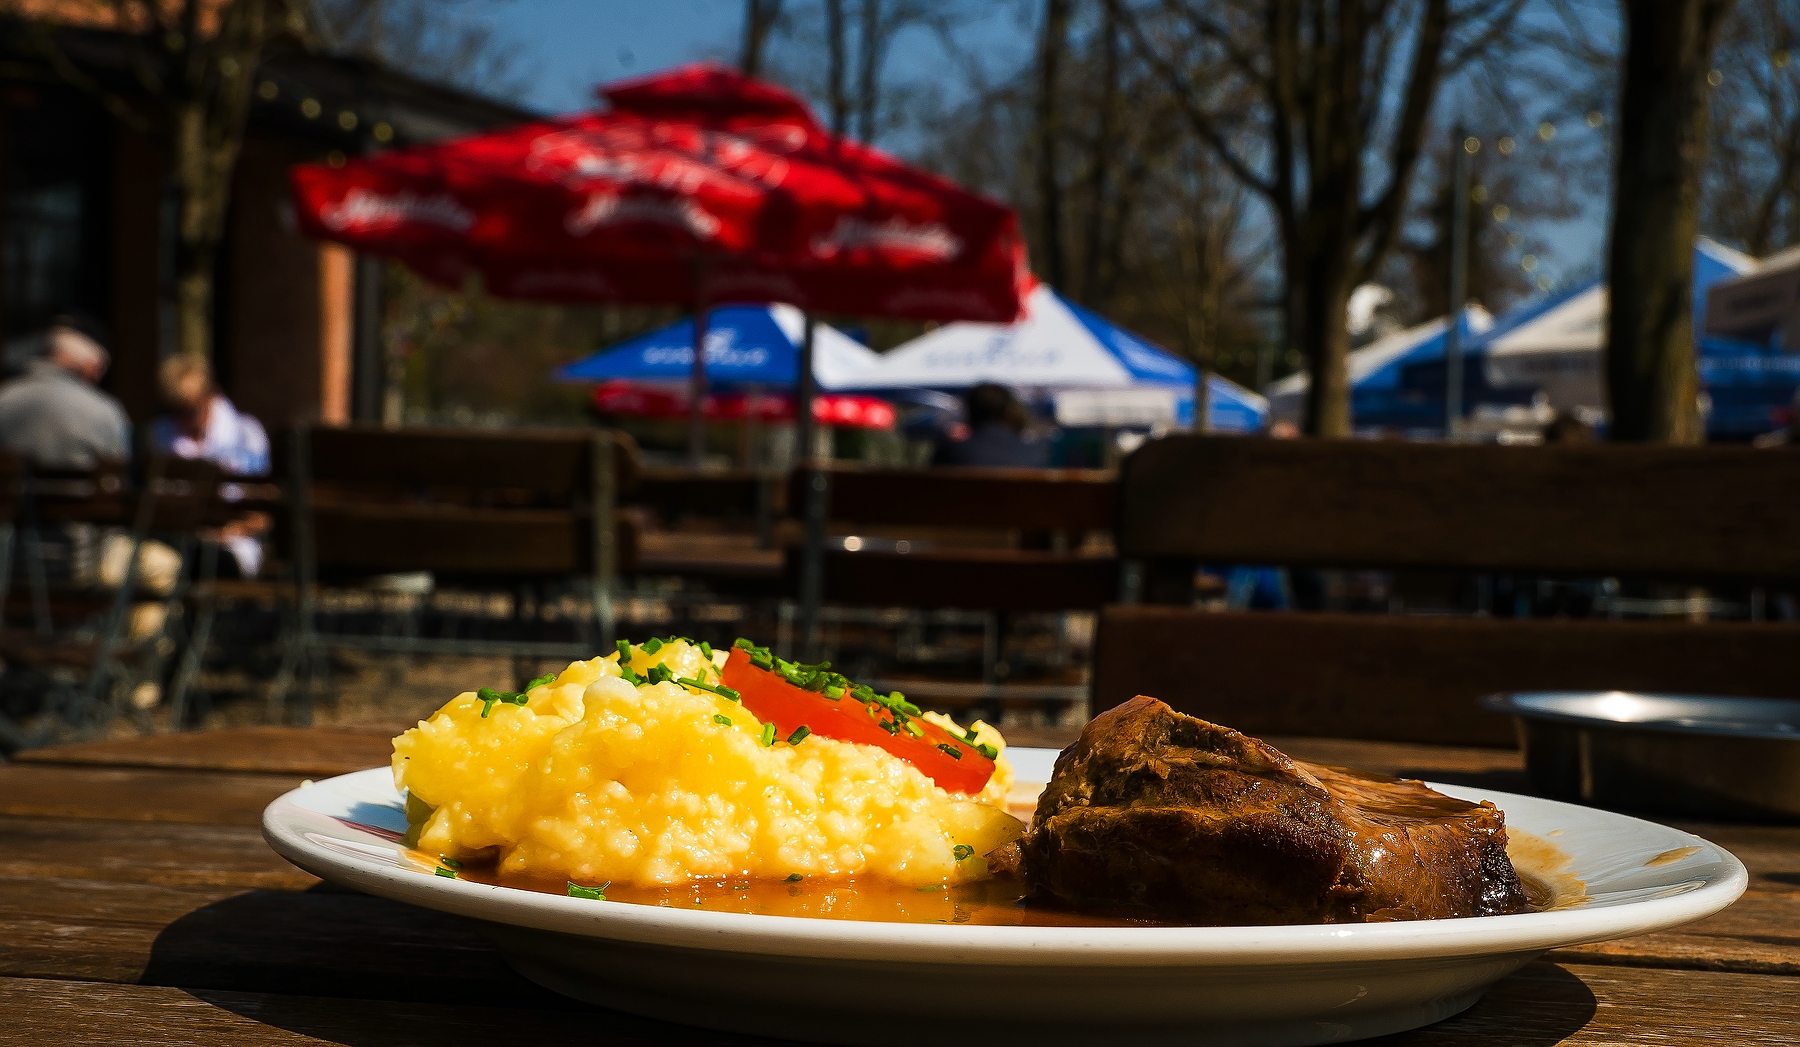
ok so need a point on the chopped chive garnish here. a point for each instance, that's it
(541, 681)
(834, 693)
(794, 877)
(888, 726)
(652, 645)
(721, 719)
(987, 750)
(768, 735)
(719, 689)
(955, 753)
(961, 851)
(624, 651)
(596, 894)
(914, 729)
(630, 677)
(706, 650)
(488, 697)
(743, 645)
(441, 871)
(660, 674)
(450, 863)
(799, 734)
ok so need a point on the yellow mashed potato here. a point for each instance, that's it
(593, 779)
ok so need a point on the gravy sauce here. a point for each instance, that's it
(993, 903)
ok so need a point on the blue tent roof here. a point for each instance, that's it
(745, 345)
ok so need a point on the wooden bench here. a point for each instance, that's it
(489, 508)
(1704, 514)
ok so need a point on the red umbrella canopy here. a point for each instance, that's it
(697, 184)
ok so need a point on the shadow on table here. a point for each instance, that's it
(1540, 1005)
(366, 972)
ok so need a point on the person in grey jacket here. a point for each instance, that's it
(54, 415)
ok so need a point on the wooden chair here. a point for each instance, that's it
(488, 508)
(1002, 541)
(1701, 515)
(716, 528)
(175, 502)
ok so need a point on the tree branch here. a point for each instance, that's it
(1382, 219)
(1201, 122)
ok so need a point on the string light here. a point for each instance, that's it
(1528, 263)
(1780, 58)
(1715, 78)
(383, 131)
(1479, 194)
(347, 120)
(309, 108)
(1506, 145)
(1502, 212)
(335, 158)
(1471, 145)
(1544, 282)
(1594, 119)
(267, 90)
(1546, 131)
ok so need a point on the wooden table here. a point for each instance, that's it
(138, 903)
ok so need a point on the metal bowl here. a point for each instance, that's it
(1680, 754)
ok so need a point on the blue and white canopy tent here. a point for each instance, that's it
(1550, 343)
(746, 346)
(1380, 395)
(1097, 372)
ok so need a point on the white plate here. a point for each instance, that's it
(850, 982)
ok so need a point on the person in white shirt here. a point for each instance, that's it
(203, 423)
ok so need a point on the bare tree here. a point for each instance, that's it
(1751, 193)
(1101, 151)
(1651, 383)
(428, 39)
(1337, 104)
(837, 92)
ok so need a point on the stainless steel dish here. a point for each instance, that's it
(1667, 753)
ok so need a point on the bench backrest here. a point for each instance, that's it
(516, 503)
(1699, 514)
(1608, 509)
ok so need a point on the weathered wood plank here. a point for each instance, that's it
(313, 751)
(323, 942)
(167, 853)
(1759, 934)
(1544, 1004)
(1607, 509)
(195, 797)
(1414, 679)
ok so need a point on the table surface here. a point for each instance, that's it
(139, 903)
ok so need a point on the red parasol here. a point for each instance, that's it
(850, 411)
(698, 185)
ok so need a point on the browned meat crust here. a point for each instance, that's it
(1164, 816)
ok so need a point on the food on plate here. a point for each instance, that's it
(649, 767)
(1159, 815)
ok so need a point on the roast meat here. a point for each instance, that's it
(1163, 816)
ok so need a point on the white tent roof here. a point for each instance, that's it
(1287, 397)
(1050, 348)
(839, 361)
(1575, 325)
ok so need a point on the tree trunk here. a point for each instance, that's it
(869, 78)
(759, 19)
(1318, 294)
(836, 67)
(1101, 159)
(1050, 201)
(1651, 382)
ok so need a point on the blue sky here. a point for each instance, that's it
(566, 47)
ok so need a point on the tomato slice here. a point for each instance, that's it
(849, 719)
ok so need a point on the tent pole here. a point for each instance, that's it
(1459, 283)
(697, 389)
(812, 561)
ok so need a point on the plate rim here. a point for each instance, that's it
(892, 942)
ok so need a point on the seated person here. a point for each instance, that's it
(996, 433)
(53, 415)
(203, 423)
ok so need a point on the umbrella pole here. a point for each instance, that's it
(812, 561)
(697, 389)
